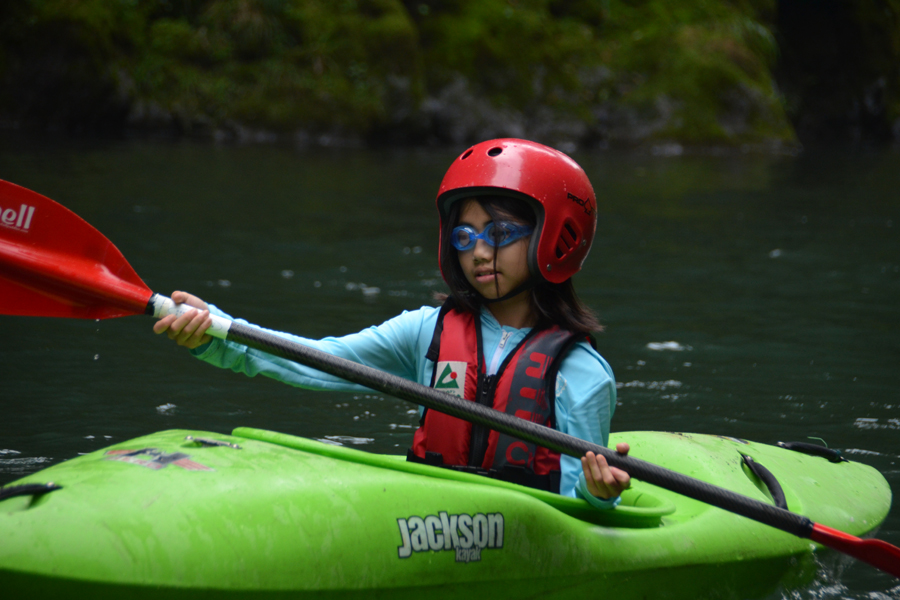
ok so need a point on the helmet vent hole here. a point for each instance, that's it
(495, 151)
(568, 241)
(467, 154)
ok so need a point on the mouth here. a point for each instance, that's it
(485, 275)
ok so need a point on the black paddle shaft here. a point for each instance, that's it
(543, 436)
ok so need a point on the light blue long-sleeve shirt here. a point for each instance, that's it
(585, 387)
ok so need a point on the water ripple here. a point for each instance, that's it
(23, 466)
(650, 385)
(340, 440)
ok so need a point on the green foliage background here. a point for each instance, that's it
(579, 71)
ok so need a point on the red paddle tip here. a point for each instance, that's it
(877, 553)
(53, 263)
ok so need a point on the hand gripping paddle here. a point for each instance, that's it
(54, 264)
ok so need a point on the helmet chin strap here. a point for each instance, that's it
(514, 292)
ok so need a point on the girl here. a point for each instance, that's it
(517, 221)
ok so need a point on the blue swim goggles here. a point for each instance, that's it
(499, 234)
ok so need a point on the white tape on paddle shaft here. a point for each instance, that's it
(163, 306)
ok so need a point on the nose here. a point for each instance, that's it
(483, 251)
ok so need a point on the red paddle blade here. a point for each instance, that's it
(54, 264)
(877, 553)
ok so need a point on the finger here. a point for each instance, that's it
(623, 448)
(623, 479)
(607, 479)
(596, 465)
(587, 465)
(599, 477)
(163, 324)
(179, 297)
(192, 327)
(200, 336)
(205, 338)
(589, 461)
(178, 325)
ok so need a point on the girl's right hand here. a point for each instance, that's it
(604, 481)
(188, 330)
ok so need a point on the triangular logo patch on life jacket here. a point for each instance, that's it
(451, 377)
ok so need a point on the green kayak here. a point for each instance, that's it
(187, 514)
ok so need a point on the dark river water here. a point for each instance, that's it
(744, 295)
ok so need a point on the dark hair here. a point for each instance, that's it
(553, 303)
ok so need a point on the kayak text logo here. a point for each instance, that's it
(17, 219)
(156, 459)
(465, 535)
(451, 377)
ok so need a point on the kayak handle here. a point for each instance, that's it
(200, 441)
(814, 450)
(768, 479)
(27, 489)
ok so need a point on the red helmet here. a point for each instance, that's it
(554, 185)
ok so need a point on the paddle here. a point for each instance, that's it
(53, 263)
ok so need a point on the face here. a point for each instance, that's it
(511, 269)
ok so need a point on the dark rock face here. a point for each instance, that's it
(838, 68)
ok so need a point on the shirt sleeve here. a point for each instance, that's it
(392, 347)
(585, 403)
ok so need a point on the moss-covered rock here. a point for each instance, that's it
(602, 70)
(277, 66)
(569, 72)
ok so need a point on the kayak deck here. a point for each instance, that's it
(265, 514)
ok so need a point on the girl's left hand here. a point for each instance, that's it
(604, 481)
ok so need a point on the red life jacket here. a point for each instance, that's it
(524, 386)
